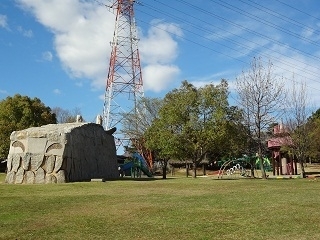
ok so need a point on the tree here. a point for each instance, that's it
(66, 116)
(315, 115)
(192, 121)
(157, 138)
(237, 142)
(261, 97)
(314, 136)
(136, 123)
(20, 112)
(297, 114)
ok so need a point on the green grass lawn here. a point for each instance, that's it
(177, 208)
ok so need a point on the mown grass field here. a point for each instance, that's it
(176, 208)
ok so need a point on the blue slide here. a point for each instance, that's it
(142, 165)
(127, 166)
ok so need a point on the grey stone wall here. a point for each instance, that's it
(58, 153)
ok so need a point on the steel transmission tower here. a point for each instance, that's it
(124, 84)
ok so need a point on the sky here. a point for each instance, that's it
(59, 50)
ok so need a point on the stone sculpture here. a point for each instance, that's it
(58, 153)
(99, 119)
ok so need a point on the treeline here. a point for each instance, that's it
(199, 123)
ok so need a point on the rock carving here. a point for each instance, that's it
(59, 153)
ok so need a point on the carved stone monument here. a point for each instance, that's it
(58, 153)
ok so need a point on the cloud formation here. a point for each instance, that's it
(3, 21)
(57, 91)
(47, 56)
(27, 33)
(289, 55)
(158, 51)
(82, 32)
(158, 77)
(4, 92)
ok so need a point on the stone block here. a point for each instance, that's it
(49, 163)
(61, 153)
(36, 161)
(26, 159)
(98, 180)
(50, 178)
(61, 177)
(16, 162)
(11, 177)
(58, 163)
(29, 177)
(19, 176)
(39, 176)
(9, 162)
(36, 145)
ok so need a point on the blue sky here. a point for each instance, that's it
(59, 50)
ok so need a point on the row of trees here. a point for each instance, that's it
(21, 112)
(192, 123)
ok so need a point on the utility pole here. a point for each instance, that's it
(124, 86)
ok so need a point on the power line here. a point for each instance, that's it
(219, 35)
(290, 66)
(224, 54)
(189, 40)
(278, 15)
(315, 74)
(245, 29)
(297, 9)
(275, 26)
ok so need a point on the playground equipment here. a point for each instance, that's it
(282, 163)
(235, 168)
(266, 164)
(241, 167)
(136, 166)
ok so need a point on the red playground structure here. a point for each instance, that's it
(282, 162)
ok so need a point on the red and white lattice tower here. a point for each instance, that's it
(124, 84)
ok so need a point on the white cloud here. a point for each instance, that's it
(158, 77)
(158, 50)
(82, 32)
(57, 91)
(47, 56)
(310, 34)
(79, 84)
(5, 92)
(27, 33)
(307, 32)
(159, 46)
(3, 21)
(101, 97)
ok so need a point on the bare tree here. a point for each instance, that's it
(297, 113)
(261, 97)
(135, 125)
(66, 116)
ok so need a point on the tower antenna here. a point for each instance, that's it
(124, 86)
